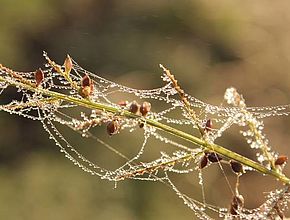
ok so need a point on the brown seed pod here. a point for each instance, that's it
(236, 204)
(134, 107)
(87, 87)
(145, 108)
(141, 124)
(203, 162)
(214, 157)
(281, 160)
(68, 64)
(208, 125)
(86, 81)
(39, 77)
(236, 166)
(113, 127)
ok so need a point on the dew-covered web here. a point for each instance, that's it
(169, 106)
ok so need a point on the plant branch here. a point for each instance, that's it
(173, 131)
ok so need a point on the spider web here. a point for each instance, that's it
(55, 114)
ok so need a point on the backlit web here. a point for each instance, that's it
(175, 157)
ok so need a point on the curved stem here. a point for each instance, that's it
(173, 131)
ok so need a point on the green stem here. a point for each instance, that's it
(197, 141)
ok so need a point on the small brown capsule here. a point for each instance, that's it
(134, 107)
(203, 162)
(113, 127)
(141, 125)
(281, 160)
(236, 166)
(208, 125)
(145, 108)
(236, 204)
(39, 77)
(214, 157)
(68, 64)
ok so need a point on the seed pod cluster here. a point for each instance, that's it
(142, 109)
(39, 77)
(113, 127)
(237, 204)
(87, 87)
(282, 159)
(209, 156)
(236, 167)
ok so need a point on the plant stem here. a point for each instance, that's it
(190, 138)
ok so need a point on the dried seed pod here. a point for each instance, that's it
(145, 108)
(214, 157)
(87, 87)
(113, 127)
(134, 107)
(203, 162)
(208, 125)
(39, 77)
(236, 166)
(281, 160)
(236, 204)
(68, 64)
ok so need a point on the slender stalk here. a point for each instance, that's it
(173, 131)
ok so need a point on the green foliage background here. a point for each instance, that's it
(208, 45)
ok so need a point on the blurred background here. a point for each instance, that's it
(208, 45)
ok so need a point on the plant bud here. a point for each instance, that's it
(68, 65)
(214, 157)
(134, 107)
(145, 108)
(208, 125)
(87, 87)
(281, 160)
(203, 162)
(236, 166)
(113, 127)
(39, 77)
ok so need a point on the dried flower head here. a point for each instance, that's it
(39, 77)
